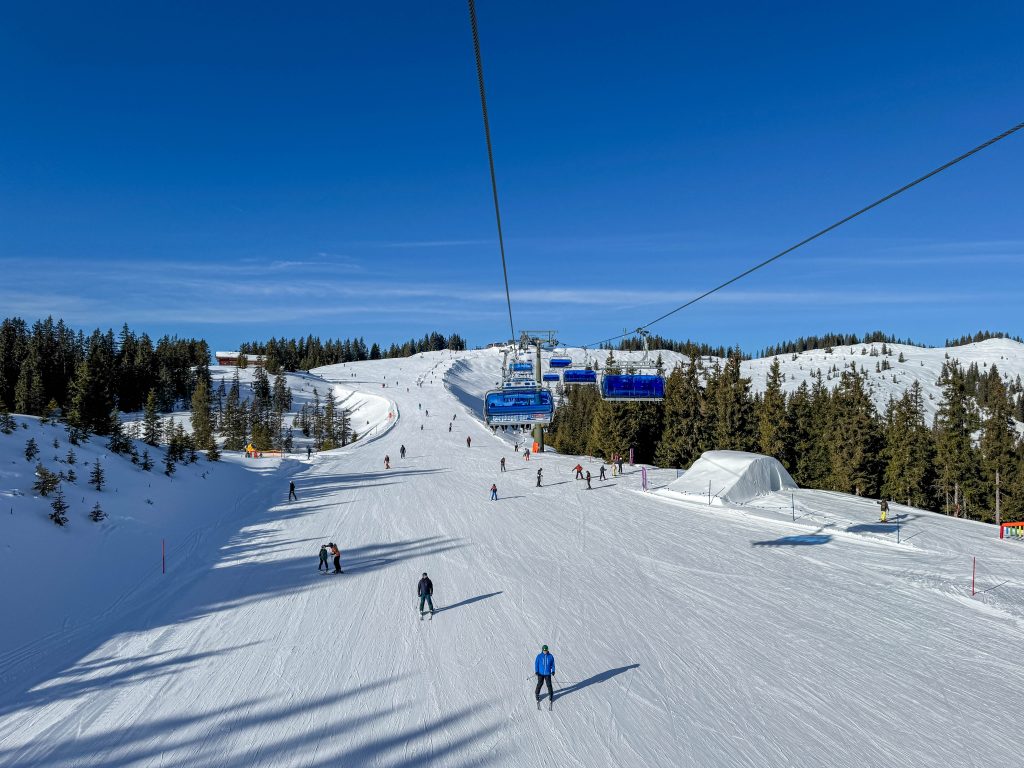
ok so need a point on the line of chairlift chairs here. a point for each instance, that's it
(523, 401)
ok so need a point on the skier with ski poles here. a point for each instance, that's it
(544, 666)
(540, 473)
(601, 475)
(291, 491)
(502, 463)
(425, 590)
(494, 491)
(578, 469)
(588, 481)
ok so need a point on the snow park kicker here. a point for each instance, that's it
(733, 477)
(685, 635)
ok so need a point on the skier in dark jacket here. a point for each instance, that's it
(425, 589)
(588, 480)
(494, 491)
(502, 463)
(540, 472)
(323, 559)
(469, 441)
(401, 451)
(600, 475)
(291, 491)
(544, 666)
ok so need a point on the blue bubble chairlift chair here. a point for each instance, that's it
(518, 405)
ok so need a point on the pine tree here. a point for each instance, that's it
(998, 443)
(96, 475)
(147, 462)
(956, 459)
(856, 440)
(97, 515)
(202, 417)
(729, 407)
(31, 449)
(119, 443)
(771, 417)
(71, 476)
(681, 439)
(70, 457)
(908, 454)
(60, 508)
(168, 463)
(46, 481)
(151, 421)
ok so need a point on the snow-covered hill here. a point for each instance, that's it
(792, 630)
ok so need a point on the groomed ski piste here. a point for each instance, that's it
(782, 629)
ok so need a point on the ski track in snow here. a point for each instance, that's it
(685, 635)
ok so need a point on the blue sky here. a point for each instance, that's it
(240, 170)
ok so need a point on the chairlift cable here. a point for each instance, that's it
(818, 234)
(490, 158)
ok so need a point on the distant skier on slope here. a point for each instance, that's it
(588, 480)
(425, 590)
(544, 666)
(401, 451)
(540, 473)
(309, 452)
(578, 469)
(336, 553)
(601, 475)
(387, 462)
(449, 426)
(494, 491)
(291, 491)
(323, 559)
(469, 441)
(502, 463)
(883, 511)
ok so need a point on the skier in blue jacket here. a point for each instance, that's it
(544, 666)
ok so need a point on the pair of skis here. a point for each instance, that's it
(424, 613)
(551, 703)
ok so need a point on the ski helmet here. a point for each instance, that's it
(424, 574)
(543, 647)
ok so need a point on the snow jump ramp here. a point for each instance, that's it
(734, 477)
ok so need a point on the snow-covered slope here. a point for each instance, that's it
(790, 631)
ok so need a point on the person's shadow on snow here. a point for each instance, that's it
(598, 678)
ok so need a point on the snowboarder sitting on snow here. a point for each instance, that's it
(544, 666)
(425, 589)
(323, 559)
(291, 491)
(494, 491)
(578, 469)
(337, 556)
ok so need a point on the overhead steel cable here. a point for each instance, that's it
(818, 234)
(490, 159)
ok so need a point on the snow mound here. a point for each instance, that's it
(734, 477)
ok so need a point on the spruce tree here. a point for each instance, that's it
(956, 459)
(119, 443)
(46, 481)
(96, 475)
(681, 438)
(31, 449)
(202, 417)
(771, 418)
(998, 443)
(60, 508)
(70, 457)
(908, 453)
(856, 439)
(147, 462)
(97, 515)
(168, 463)
(151, 421)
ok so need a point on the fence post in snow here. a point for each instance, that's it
(792, 501)
(974, 569)
(709, 493)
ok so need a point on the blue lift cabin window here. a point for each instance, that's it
(521, 367)
(633, 387)
(518, 405)
(552, 377)
(579, 376)
(560, 362)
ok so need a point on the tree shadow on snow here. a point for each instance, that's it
(594, 680)
(356, 726)
(369, 557)
(468, 601)
(803, 540)
(872, 528)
